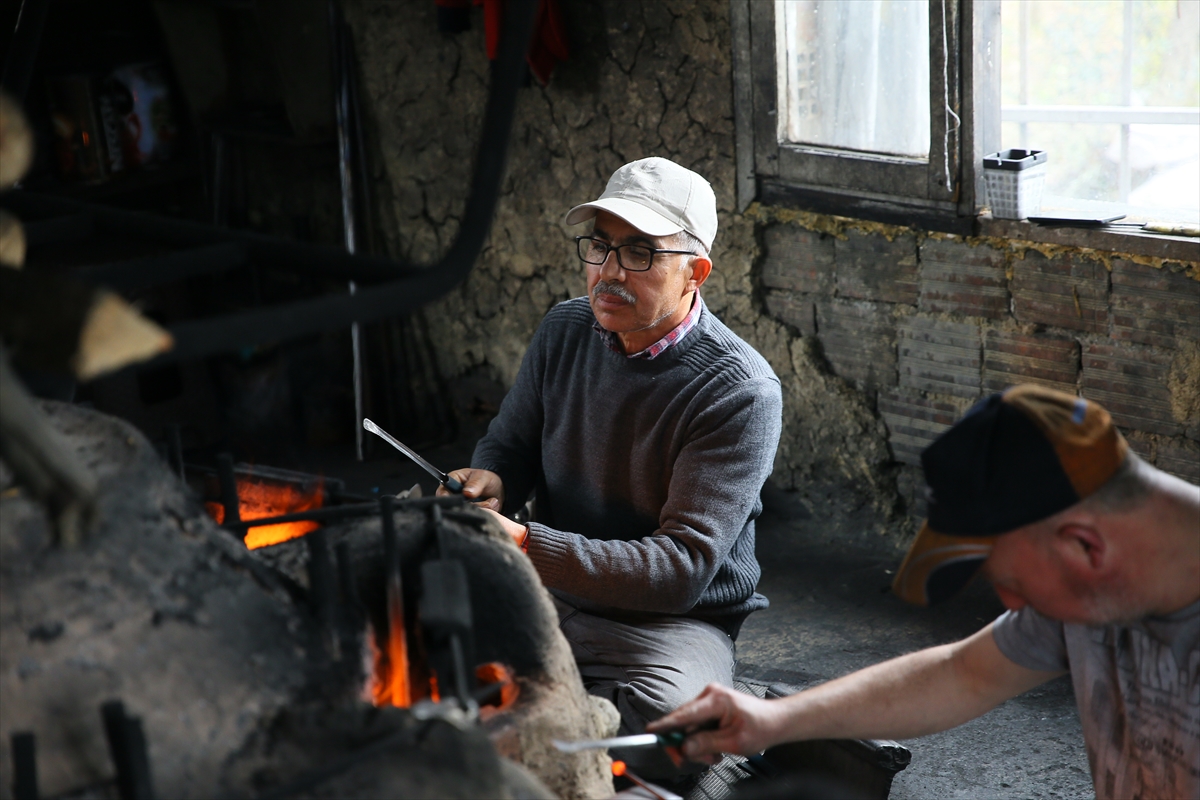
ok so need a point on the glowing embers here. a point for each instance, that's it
(397, 678)
(391, 680)
(259, 498)
(499, 688)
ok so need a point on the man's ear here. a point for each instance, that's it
(1082, 546)
(701, 267)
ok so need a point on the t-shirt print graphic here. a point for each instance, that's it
(1145, 725)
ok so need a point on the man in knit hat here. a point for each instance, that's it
(646, 429)
(1097, 556)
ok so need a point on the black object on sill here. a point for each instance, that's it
(1084, 220)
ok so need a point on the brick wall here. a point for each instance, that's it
(924, 327)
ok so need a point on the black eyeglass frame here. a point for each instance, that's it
(579, 250)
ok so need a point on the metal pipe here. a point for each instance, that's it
(439, 531)
(229, 493)
(348, 511)
(461, 689)
(341, 103)
(1103, 115)
(1023, 95)
(449, 628)
(397, 649)
(23, 48)
(127, 746)
(1125, 173)
(24, 759)
(352, 610)
(322, 591)
(356, 356)
(366, 218)
(175, 449)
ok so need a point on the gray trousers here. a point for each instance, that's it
(646, 668)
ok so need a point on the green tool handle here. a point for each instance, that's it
(677, 738)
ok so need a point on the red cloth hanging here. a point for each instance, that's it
(548, 46)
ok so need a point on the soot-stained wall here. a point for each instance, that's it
(881, 336)
(643, 79)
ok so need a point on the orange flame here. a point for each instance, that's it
(396, 680)
(260, 499)
(390, 685)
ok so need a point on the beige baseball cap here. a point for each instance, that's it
(658, 197)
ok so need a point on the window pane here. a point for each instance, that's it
(1076, 166)
(1143, 55)
(1085, 160)
(854, 75)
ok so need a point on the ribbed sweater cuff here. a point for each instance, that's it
(548, 550)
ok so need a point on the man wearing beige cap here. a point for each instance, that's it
(646, 429)
(1097, 556)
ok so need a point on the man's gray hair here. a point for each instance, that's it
(686, 241)
(1126, 490)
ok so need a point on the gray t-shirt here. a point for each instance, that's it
(1138, 691)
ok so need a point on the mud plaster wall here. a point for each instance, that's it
(653, 78)
(925, 324)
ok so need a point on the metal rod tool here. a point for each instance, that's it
(669, 739)
(451, 484)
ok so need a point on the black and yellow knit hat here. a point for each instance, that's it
(1015, 458)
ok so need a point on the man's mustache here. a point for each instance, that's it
(613, 288)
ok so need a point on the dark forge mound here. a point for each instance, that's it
(218, 650)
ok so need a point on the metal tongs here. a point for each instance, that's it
(451, 484)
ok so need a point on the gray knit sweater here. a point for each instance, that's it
(648, 472)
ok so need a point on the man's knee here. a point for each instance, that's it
(674, 689)
(669, 685)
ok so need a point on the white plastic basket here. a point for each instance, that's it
(1015, 180)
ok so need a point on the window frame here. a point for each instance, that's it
(871, 186)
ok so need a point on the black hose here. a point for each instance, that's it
(220, 334)
(387, 288)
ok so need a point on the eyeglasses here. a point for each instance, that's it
(631, 257)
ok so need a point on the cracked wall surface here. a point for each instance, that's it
(881, 335)
(643, 79)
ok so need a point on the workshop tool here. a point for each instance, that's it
(668, 739)
(451, 484)
(1174, 228)
(622, 771)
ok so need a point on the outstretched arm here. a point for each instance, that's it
(913, 695)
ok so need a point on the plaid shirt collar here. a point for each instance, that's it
(672, 338)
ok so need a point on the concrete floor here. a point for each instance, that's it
(827, 570)
(831, 613)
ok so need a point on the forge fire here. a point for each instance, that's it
(258, 499)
